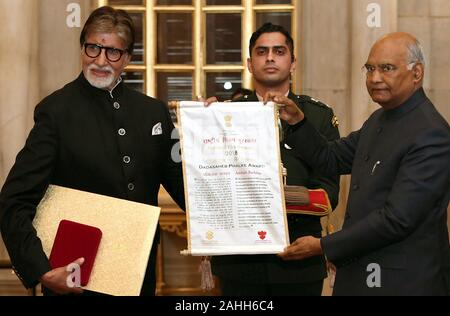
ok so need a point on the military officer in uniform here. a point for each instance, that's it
(271, 63)
(97, 135)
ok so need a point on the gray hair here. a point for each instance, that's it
(415, 53)
(109, 20)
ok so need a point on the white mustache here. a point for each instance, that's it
(106, 68)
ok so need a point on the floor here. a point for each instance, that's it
(10, 284)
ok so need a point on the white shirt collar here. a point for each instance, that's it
(117, 83)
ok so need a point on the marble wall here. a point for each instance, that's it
(430, 21)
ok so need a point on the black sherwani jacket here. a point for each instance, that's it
(269, 269)
(396, 220)
(116, 144)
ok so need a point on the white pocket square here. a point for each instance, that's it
(157, 129)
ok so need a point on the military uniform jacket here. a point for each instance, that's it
(396, 220)
(116, 144)
(269, 268)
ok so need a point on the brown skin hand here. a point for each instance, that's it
(302, 248)
(56, 280)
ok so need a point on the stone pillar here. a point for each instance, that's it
(324, 41)
(414, 18)
(59, 49)
(19, 80)
(324, 44)
(363, 37)
(439, 66)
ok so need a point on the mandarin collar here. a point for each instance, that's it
(417, 98)
(114, 93)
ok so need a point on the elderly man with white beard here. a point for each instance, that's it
(96, 135)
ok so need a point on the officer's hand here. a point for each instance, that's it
(209, 101)
(56, 280)
(289, 111)
(302, 248)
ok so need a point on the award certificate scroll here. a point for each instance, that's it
(232, 178)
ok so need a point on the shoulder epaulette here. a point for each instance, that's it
(306, 98)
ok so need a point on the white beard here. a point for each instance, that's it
(101, 83)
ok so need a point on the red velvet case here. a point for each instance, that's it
(74, 240)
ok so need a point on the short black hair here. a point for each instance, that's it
(272, 28)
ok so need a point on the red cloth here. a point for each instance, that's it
(319, 204)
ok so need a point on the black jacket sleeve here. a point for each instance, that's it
(24, 187)
(329, 158)
(328, 182)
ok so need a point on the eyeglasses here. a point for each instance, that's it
(94, 50)
(386, 69)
